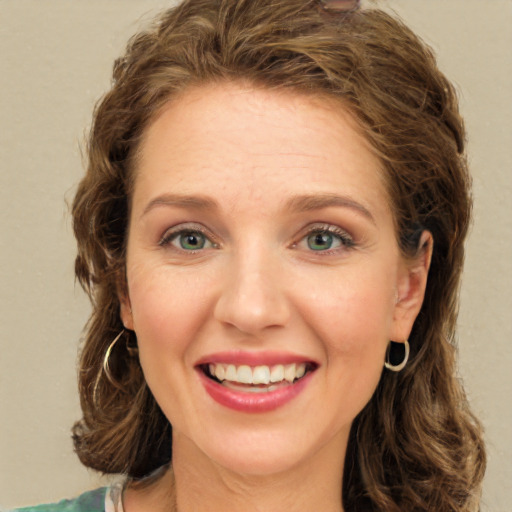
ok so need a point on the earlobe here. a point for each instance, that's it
(126, 311)
(125, 305)
(411, 286)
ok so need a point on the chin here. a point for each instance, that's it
(265, 451)
(259, 462)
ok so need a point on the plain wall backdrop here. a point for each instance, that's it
(55, 62)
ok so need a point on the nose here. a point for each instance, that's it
(253, 298)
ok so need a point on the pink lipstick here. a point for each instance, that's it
(254, 382)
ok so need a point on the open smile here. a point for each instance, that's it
(257, 388)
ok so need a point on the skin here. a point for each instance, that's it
(260, 284)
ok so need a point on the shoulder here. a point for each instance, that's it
(92, 501)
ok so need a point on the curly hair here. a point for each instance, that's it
(416, 445)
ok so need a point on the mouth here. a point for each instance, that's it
(257, 379)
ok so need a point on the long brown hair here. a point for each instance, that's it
(415, 446)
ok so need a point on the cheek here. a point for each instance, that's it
(168, 313)
(168, 309)
(353, 312)
(354, 322)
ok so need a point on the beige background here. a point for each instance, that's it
(55, 60)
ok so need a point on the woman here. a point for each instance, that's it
(271, 231)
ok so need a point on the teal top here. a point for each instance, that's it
(92, 501)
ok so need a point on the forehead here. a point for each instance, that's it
(226, 138)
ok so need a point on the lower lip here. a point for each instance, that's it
(253, 402)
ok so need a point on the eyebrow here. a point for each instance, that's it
(296, 203)
(318, 201)
(197, 202)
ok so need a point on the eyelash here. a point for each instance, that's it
(346, 241)
(171, 234)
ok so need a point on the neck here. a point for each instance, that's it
(197, 484)
(203, 485)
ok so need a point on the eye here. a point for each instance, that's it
(190, 240)
(322, 241)
(325, 239)
(187, 240)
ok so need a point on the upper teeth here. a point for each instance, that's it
(263, 374)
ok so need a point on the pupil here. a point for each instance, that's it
(320, 241)
(191, 240)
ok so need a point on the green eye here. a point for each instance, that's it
(191, 240)
(187, 239)
(322, 241)
(326, 239)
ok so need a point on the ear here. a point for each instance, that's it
(126, 312)
(125, 305)
(411, 286)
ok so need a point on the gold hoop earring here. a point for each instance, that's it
(400, 366)
(106, 367)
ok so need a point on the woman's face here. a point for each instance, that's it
(264, 277)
